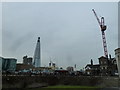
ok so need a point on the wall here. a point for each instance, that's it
(26, 81)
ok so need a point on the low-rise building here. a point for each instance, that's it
(70, 69)
(106, 66)
(91, 69)
(24, 67)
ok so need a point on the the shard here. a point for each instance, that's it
(37, 55)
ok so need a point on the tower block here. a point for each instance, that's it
(37, 54)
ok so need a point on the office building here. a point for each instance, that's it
(37, 54)
(9, 64)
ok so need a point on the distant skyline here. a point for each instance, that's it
(69, 32)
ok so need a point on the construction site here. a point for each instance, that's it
(107, 65)
(64, 54)
(104, 74)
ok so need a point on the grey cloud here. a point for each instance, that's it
(69, 31)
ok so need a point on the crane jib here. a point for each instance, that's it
(103, 28)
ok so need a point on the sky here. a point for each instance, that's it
(69, 31)
(118, 25)
(0, 29)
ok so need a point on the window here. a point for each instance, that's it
(103, 67)
(105, 62)
(101, 62)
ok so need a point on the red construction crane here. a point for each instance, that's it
(103, 28)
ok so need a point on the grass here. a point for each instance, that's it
(64, 86)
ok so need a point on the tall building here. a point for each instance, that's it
(37, 54)
(117, 56)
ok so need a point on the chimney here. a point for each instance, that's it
(110, 56)
(91, 62)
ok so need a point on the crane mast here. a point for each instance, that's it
(103, 28)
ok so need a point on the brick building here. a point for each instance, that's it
(27, 60)
(106, 67)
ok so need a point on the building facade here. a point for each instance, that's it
(9, 64)
(27, 60)
(20, 66)
(37, 54)
(103, 62)
(106, 67)
(117, 55)
(70, 69)
(92, 69)
(0, 64)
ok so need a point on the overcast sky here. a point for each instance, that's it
(69, 32)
